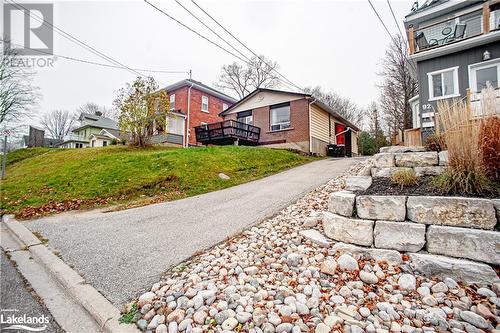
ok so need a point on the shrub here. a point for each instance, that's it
(435, 142)
(114, 142)
(366, 144)
(405, 177)
(370, 144)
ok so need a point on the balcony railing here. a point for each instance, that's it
(453, 30)
(227, 130)
(485, 103)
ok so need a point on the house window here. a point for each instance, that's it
(175, 124)
(204, 104)
(172, 102)
(224, 106)
(104, 143)
(443, 84)
(245, 117)
(280, 117)
(483, 73)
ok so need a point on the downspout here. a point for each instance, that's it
(310, 136)
(347, 130)
(188, 127)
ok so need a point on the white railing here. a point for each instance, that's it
(485, 103)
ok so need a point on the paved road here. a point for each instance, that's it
(17, 301)
(120, 253)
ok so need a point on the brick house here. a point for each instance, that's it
(282, 119)
(192, 104)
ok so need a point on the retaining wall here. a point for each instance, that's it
(453, 226)
(425, 163)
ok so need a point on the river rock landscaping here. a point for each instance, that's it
(284, 275)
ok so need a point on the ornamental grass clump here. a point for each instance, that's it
(489, 138)
(460, 128)
(405, 177)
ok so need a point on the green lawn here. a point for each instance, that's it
(42, 181)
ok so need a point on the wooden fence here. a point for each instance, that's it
(412, 137)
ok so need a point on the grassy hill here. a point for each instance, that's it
(43, 181)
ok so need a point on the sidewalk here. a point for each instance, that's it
(18, 299)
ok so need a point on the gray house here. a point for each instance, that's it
(456, 46)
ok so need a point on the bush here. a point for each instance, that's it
(435, 142)
(114, 142)
(370, 144)
(464, 182)
(405, 177)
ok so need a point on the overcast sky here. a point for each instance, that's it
(335, 44)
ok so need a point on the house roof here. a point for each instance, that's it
(431, 9)
(93, 120)
(113, 132)
(47, 142)
(336, 115)
(50, 142)
(255, 92)
(316, 101)
(202, 87)
(426, 5)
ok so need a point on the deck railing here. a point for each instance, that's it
(225, 130)
(452, 30)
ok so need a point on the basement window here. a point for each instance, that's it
(280, 117)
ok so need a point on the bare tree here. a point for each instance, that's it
(342, 105)
(258, 73)
(94, 108)
(58, 123)
(373, 115)
(17, 95)
(90, 108)
(398, 86)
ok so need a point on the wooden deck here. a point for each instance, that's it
(227, 132)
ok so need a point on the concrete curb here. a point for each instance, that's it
(104, 313)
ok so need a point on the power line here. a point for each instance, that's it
(200, 35)
(395, 20)
(215, 33)
(194, 31)
(381, 21)
(246, 47)
(75, 40)
(390, 35)
(96, 63)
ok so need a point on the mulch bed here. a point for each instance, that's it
(385, 186)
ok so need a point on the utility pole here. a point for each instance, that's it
(4, 156)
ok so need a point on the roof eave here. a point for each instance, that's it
(223, 113)
(336, 115)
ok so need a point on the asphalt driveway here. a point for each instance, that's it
(120, 253)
